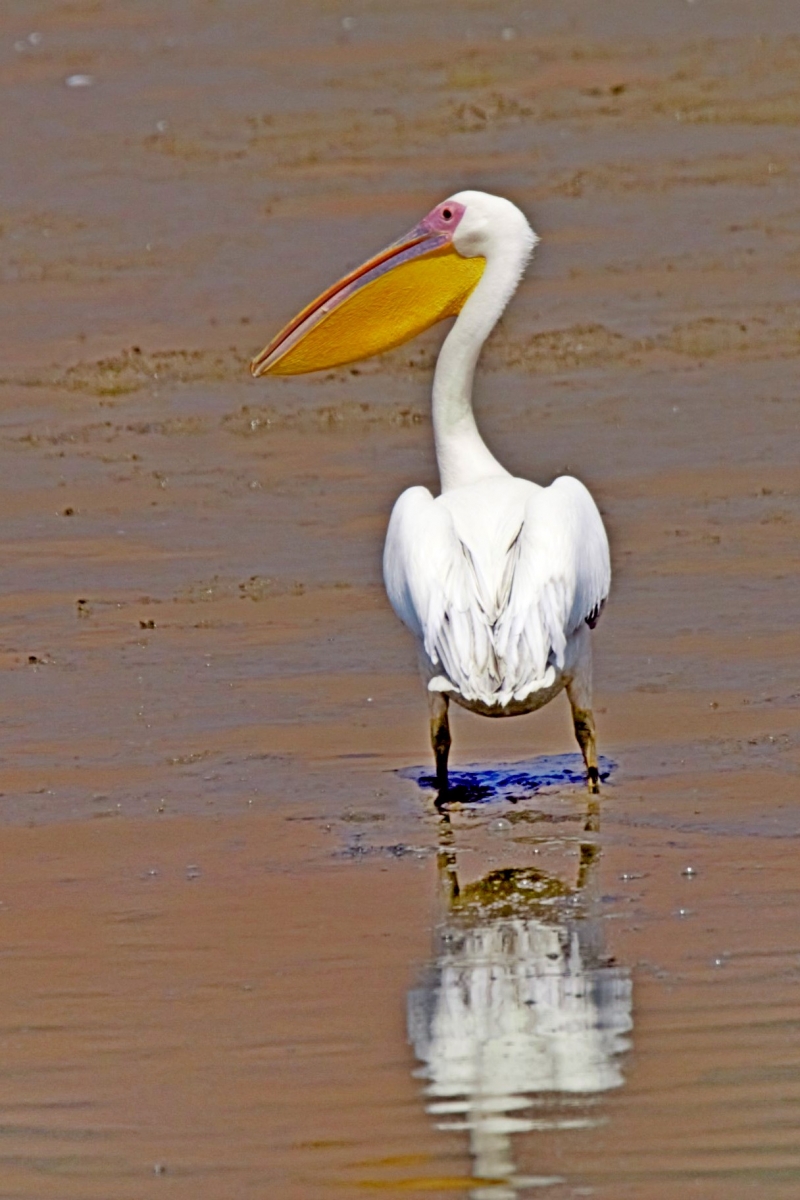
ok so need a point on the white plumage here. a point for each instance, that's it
(494, 579)
(497, 577)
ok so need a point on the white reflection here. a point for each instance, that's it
(519, 1001)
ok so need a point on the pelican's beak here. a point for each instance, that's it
(405, 289)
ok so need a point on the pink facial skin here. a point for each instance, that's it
(444, 219)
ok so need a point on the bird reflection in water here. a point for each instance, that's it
(520, 1005)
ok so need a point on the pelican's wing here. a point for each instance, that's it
(431, 586)
(494, 595)
(561, 579)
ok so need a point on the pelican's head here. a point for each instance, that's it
(425, 276)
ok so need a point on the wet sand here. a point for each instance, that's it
(217, 1007)
(233, 948)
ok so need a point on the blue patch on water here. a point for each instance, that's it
(510, 781)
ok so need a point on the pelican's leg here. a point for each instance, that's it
(579, 690)
(438, 704)
(583, 719)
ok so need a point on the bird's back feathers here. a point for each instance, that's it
(493, 578)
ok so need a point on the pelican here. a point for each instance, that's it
(499, 579)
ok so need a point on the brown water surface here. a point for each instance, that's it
(242, 956)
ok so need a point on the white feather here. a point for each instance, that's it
(493, 578)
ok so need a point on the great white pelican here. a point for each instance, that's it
(499, 579)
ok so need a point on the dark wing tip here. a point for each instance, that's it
(594, 615)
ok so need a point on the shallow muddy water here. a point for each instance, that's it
(241, 954)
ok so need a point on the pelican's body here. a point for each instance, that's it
(499, 579)
(485, 577)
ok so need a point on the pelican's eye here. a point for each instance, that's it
(447, 214)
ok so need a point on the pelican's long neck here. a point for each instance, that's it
(461, 453)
